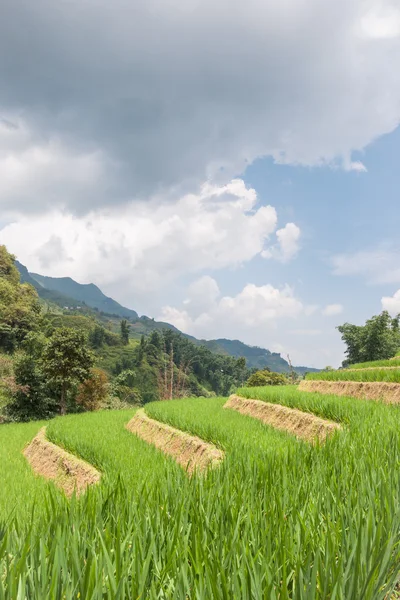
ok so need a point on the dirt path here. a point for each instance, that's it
(374, 390)
(191, 452)
(66, 470)
(301, 424)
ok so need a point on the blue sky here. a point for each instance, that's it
(236, 189)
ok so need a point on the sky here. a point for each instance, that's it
(231, 168)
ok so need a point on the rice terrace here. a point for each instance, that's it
(278, 518)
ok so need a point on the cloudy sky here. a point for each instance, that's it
(230, 167)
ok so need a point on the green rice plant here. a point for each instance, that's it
(393, 362)
(279, 519)
(389, 375)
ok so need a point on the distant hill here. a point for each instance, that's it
(256, 357)
(65, 292)
(86, 293)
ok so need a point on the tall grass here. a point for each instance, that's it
(370, 374)
(280, 519)
(393, 362)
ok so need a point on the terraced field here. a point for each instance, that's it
(280, 516)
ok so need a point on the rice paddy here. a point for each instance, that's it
(280, 518)
(389, 374)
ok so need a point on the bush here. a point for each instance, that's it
(94, 390)
(261, 378)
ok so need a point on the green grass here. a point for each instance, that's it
(394, 362)
(280, 519)
(20, 489)
(388, 375)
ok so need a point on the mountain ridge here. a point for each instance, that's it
(67, 293)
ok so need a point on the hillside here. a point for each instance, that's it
(86, 293)
(65, 292)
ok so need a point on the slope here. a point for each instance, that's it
(87, 293)
(65, 292)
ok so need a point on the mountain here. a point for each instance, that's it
(65, 292)
(48, 295)
(84, 293)
(255, 356)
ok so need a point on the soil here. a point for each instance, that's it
(376, 390)
(66, 470)
(301, 424)
(192, 453)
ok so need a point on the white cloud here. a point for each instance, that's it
(357, 166)
(287, 246)
(253, 307)
(129, 100)
(382, 22)
(392, 303)
(266, 316)
(202, 294)
(148, 244)
(46, 172)
(378, 265)
(332, 310)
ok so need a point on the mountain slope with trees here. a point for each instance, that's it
(67, 292)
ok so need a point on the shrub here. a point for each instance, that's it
(94, 390)
(261, 378)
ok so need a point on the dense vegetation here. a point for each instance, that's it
(378, 339)
(63, 294)
(279, 519)
(51, 361)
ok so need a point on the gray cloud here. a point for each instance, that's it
(162, 95)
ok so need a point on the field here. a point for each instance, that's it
(391, 375)
(279, 518)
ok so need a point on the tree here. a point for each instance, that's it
(66, 361)
(94, 390)
(19, 304)
(261, 378)
(125, 327)
(31, 396)
(378, 339)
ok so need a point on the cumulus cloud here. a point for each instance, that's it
(287, 244)
(253, 307)
(377, 265)
(110, 102)
(392, 303)
(331, 310)
(357, 166)
(149, 244)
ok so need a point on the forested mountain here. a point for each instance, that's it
(87, 293)
(65, 292)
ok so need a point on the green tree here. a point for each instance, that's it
(94, 390)
(66, 361)
(125, 327)
(31, 395)
(378, 339)
(261, 378)
(19, 304)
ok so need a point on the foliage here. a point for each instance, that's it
(125, 327)
(266, 377)
(94, 390)
(31, 396)
(19, 305)
(378, 339)
(369, 374)
(66, 360)
(326, 517)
